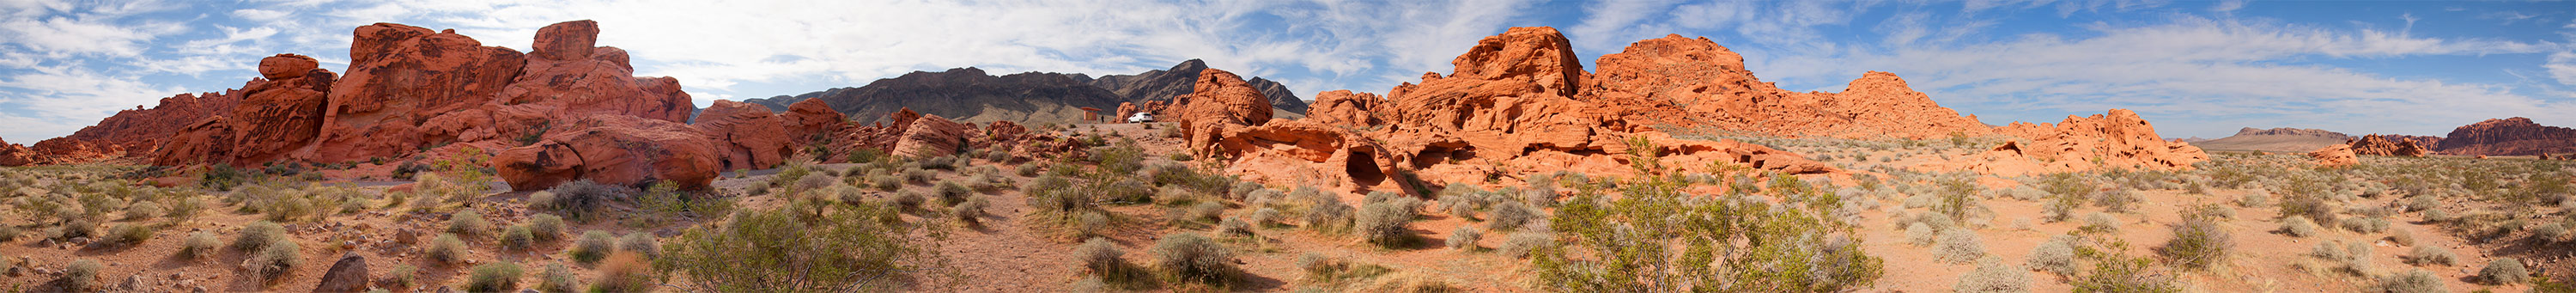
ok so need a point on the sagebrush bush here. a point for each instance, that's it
(518, 238)
(1329, 215)
(918, 176)
(258, 235)
(1265, 217)
(81, 275)
(2403, 236)
(950, 193)
(2298, 226)
(2055, 256)
(2502, 271)
(494, 277)
(546, 227)
(127, 235)
(592, 246)
(2412, 281)
(1958, 246)
(402, 275)
(2428, 255)
(468, 223)
(581, 198)
(1191, 257)
(2197, 243)
(557, 278)
(1100, 257)
(199, 245)
(909, 201)
(1207, 211)
(2098, 221)
(1464, 238)
(1522, 243)
(1994, 277)
(1385, 224)
(770, 250)
(274, 260)
(970, 213)
(1234, 227)
(143, 210)
(447, 249)
(640, 243)
(1918, 234)
(1510, 216)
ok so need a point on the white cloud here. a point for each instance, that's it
(260, 14)
(64, 35)
(2562, 66)
(73, 92)
(2227, 6)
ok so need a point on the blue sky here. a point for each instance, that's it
(2194, 68)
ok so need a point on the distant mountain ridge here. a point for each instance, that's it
(2283, 139)
(970, 95)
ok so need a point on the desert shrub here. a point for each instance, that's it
(200, 244)
(1207, 211)
(518, 238)
(1651, 224)
(2403, 236)
(1234, 227)
(2438, 215)
(447, 249)
(1191, 257)
(2502, 271)
(2298, 226)
(2425, 255)
(2098, 221)
(917, 176)
(1385, 224)
(593, 246)
(2117, 200)
(909, 201)
(2258, 199)
(127, 235)
(402, 275)
(2055, 256)
(773, 251)
(640, 243)
(1243, 190)
(624, 272)
(1265, 217)
(546, 227)
(1994, 277)
(258, 235)
(970, 213)
(950, 193)
(1464, 238)
(494, 277)
(885, 182)
(1958, 246)
(82, 275)
(1100, 257)
(1092, 223)
(1522, 243)
(1510, 216)
(557, 278)
(2549, 231)
(1918, 234)
(2412, 281)
(468, 223)
(2114, 271)
(274, 260)
(581, 198)
(143, 210)
(2197, 243)
(1126, 190)
(1328, 215)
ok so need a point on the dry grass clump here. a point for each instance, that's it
(494, 277)
(1190, 257)
(274, 260)
(2412, 281)
(2298, 226)
(624, 272)
(2504, 271)
(81, 275)
(2428, 255)
(258, 235)
(2198, 243)
(518, 238)
(1994, 277)
(1386, 224)
(468, 223)
(199, 245)
(1464, 238)
(593, 246)
(447, 249)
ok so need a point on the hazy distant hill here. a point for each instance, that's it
(969, 94)
(2275, 140)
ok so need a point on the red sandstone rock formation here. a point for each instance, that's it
(612, 149)
(932, 136)
(1345, 108)
(399, 77)
(282, 115)
(1693, 81)
(807, 119)
(1220, 104)
(2515, 136)
(2384, 145)
(136, 132)
(2334, 156)
(747, 136)
(2118, 139)
(13, 155)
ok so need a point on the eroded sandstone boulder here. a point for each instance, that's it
(399, 77)
(747, 136)
(2383, 145)
(2119, 139)
(280, 117)
(2515, 136)
(2334, 156)
(932, 136)
(1346, 108)
(1221, 103)
(806, 119)
(612, 149)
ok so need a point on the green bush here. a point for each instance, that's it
(557, 278)
(468, 223)
(1994, 277)
(274, 260)
(774, 251)
(494, 277)
(2503, 271)
(1464, 238)
(546, 227)
(1385, 224)
(258, 235)
(1191, 257)
(1958, 246)
(593, 246)
(518, 238)
(447, 249)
